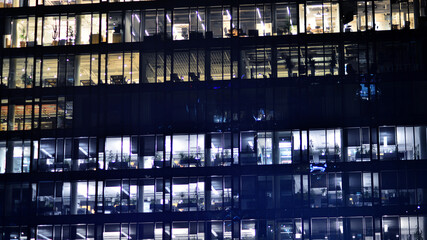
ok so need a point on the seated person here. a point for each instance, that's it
(309, 29)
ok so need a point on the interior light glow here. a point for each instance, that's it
(137, 18)
(81, 235)
(215, 191)
(146, 33)
(158, 231)
(214, 233)
(125, 191)
(228, 14)
(259, 13)
(42, 236)
(168, 18)
(83, 151)
(45, 152)
(126, 235)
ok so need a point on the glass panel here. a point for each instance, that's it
(180, 230)
(286, 19)
(388, 147)
(248, 230)
(180, 201)
(45, 198)
(247, 148)
(181, 25)
(146, 191)
(265, 148)
(115, 29)
(317, 189)
(3, 149)
(390, 226)
(287, 62)
(197, 23)
(247, 21)
(219, 22)
(382, 15)
(113, 152)
(317, 146)
(112, 190)
(335, 197)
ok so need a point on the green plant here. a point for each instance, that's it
(54, 31)
(111, 157)
(23, 34)
(26, 79)
(70, 33)
(337, 149)
(126, 158)
(418, 234)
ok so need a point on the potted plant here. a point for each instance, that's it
(418, 234)
(337, 149)
(23, 38)
(27, 80)
(70, 35)
(54, 35)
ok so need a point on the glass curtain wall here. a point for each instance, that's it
(208, 22)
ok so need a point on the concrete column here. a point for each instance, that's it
(73, 198)
(9, 156)
(12, 74)
(74, 167)
(422, 145)
(78, 35)
(8, 200)
(76, 74)
(140, 199)
(208, 193)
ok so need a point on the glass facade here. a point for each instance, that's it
(213, 120)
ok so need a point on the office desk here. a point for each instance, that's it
(118, 79)
(50, 82)
(86, 82)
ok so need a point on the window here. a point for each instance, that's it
(220, 193)
(188, 150)
(220, 149)
(188, 194)
(319, 18)
(286, 19)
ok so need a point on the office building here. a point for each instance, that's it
(213, 119)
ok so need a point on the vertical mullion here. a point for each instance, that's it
(42, 34)
(91, 28)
